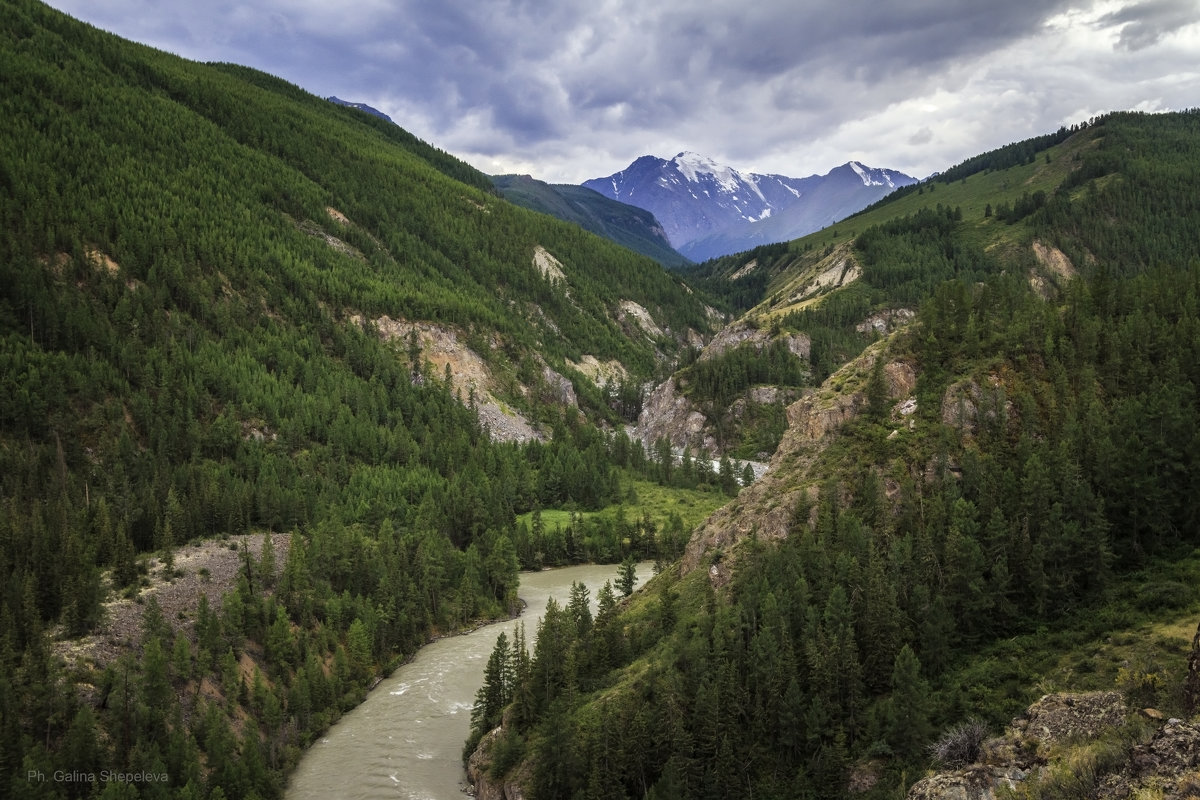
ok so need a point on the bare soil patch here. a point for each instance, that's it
(210, 569)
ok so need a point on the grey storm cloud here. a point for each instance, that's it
(1145, 24)
(570, 89)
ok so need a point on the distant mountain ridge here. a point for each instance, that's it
(360, 106)
(709, 209)
(622, 223)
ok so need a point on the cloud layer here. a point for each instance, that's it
(572, 89)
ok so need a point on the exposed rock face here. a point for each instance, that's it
(563, 391)
(477, 772)
(887, 320)
(315, 230)
(1058, 717)
(901, 379)
(1056, 270)
(972, 783)
(734, 336)
(601, 372)
(470, 375)
(549, 266)
(765, 508)
(1054, 260)
(839, 269)
(504, 424)
(799, 345)
(1169, 762)
(813, 416)
(765, 395)
(741, 334)
(668, 414)
(965, 401)
(631, 312)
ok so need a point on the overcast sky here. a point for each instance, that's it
(573, 89)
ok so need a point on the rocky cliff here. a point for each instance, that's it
(668, 413)
(766, 507)
(482, 785)
(1089, 741)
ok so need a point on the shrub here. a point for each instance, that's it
(1164, 594)
(507, 752)
(959, 746)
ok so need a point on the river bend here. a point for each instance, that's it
(405, 740)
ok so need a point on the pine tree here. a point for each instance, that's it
(908, 727)
(495, 692)
(876, 393)
(579, 609)
(747, 475)
(266, 561)
(627, 576)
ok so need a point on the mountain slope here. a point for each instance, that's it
(708, 209)
(835, 196)
(230, 307)
(624, 224)
(1006, 470)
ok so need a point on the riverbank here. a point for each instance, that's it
(406, 737)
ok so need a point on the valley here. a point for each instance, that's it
(289, 393)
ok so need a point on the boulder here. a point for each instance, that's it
(973, 783)
(1058, 717)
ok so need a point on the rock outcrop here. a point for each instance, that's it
(484, 787)
(600, 372)
(765, 509)
(1167, 766)
(741, 335)
(886, 321)
(1060, 717)
(445, 349)
(633, 315)
(1025, 747)
(973, 783)
(1040, 745)
(966, 404)
(667, 414)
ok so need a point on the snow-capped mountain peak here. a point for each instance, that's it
(875, 177)
(710, 209)
(693, 165)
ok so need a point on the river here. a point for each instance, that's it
(405, 740)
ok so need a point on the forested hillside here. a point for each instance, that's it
(1007, 479)
(627, 225)
(199, 265)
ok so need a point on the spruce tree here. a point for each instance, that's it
(627, 576)
(908, 727)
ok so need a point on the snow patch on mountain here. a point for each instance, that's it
(870, 177)
(694, 165)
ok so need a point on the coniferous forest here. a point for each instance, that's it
(1044, 493)
(192, 260)
(199, 265)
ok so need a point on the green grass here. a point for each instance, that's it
(1123, 644)
(692, 505)
(972, 195)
